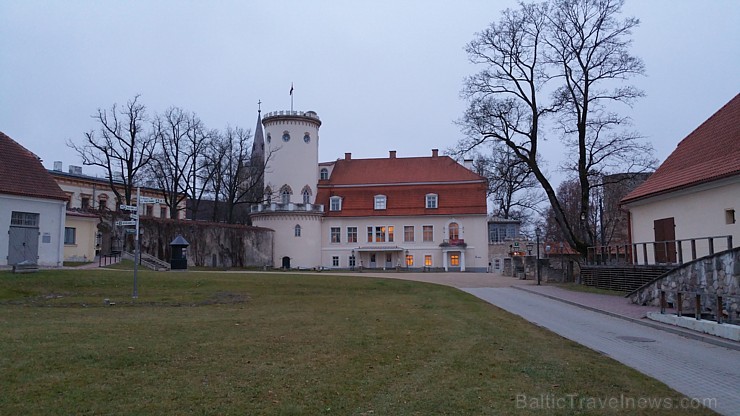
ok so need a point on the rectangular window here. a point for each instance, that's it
(163, 212)
(85, 202)
(380, 202)
(729, 216)
(428, 233)
(408, 233)
(335, 261)
(428, 260)
(351, 234)
(335, 231)
(70, 235)
(150, 210)
(352, 261)
(369, 234)
(380, 234)
(335, 203)
(409, 260)
(454, 259)
(431, 201)
(24, 219)
(390, 233)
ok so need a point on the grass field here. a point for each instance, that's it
(244, 344)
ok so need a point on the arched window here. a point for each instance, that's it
(268, 194)
(324, 173)
(297, 230)
(454, 231)
(285, 193)
(306, 193)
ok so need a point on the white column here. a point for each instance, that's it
(462, 261)
(444, 259)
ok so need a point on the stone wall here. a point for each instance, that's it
(211, 244)
(717, 275)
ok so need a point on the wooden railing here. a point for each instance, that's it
(672, 252)
(700, 304)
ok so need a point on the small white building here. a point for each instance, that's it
(694, 194)
(32, 209)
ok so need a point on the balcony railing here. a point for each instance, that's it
(287, 207)
(454, 242)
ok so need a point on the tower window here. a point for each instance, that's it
(286, 136)
(307, 138)
(269, 138)
(297, 230)
(729, 216)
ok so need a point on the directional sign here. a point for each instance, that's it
(134, 216)
(133, 231)
(124, 223)
(124, 207)
(148, 200)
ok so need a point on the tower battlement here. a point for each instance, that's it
(291, 115)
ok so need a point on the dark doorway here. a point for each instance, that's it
(665, 244)
(286, 262)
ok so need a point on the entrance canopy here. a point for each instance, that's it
(378, 249)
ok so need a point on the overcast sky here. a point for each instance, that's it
(382, 75)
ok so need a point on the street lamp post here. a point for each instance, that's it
(353, 260)
(537, 234)
(407, 260)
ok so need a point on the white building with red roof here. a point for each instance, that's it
(695, 193)
(32, 209)
(380, 213)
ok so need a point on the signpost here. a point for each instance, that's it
(125, 223)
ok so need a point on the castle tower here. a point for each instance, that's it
(291, 174)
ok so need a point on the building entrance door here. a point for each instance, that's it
(388, 260)
(373, 263)
(23, 245)
(665, 236)
(286, 262)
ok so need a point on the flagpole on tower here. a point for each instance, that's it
(291, 97)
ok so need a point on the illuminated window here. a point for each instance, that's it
(380, 234)
(409, 260)
(390, 233)
(369, 234)
(428, 260)
(454, 259)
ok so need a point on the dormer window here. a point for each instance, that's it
(431, 201)
(380, 202)
(335, 203)
(324, 174)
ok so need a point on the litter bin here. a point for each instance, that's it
(179, 259)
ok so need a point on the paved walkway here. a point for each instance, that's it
(696, 369)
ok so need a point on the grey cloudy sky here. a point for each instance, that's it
(382, 75)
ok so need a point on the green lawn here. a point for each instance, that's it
(244, 344)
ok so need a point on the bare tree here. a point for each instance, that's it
(525, 55)
(180, 140)
(121, 146)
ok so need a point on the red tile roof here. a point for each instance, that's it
(21, 173)
(709, 153)
(405, 182)
(400, 170)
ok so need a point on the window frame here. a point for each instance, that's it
(67, 231)
(424, 233)
(428, 261)
(297, 230)
(380, 202)
(352, 236)
(431, 201)
(335, 235)
(334, 261)
(406, 233)
(338, 200)
(323, 174)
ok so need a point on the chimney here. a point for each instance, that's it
(57, 165)
(435, 153)
(392, 154)
(468, 163)
(348, 156)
